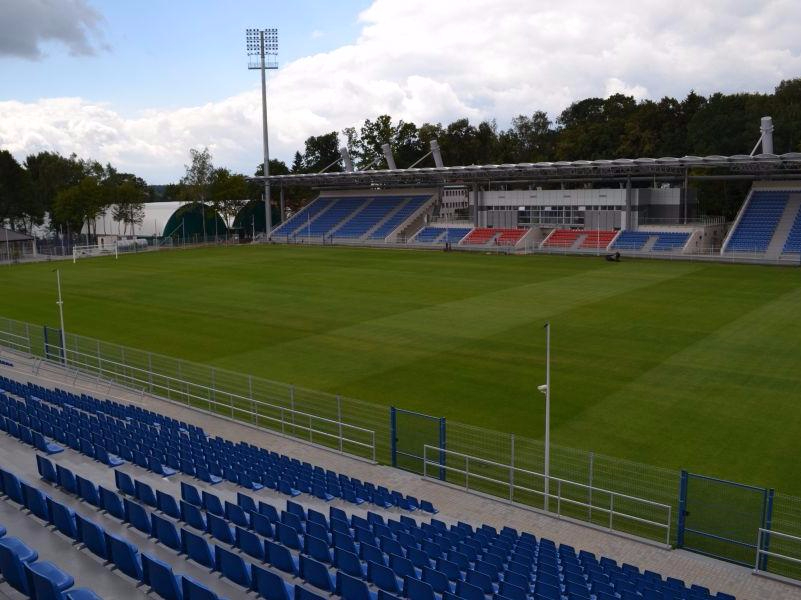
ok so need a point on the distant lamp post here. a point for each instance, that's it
(60, 303)
(546, 389)
(262, 50)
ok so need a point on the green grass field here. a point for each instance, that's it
(674, 364)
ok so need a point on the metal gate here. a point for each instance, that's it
(411, 432)
(721, 518)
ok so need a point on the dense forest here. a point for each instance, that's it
(74, 190)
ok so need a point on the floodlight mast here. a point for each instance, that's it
(263, 45)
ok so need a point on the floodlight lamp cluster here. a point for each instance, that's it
(253, 41)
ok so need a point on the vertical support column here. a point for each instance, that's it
(283, 207)
(589, 483)
(339, 419)
(512, 468)
(46, 344)
(475, 204)
(393, 435)
(442, 475)
(767, 522)
(682, 509)
(628, 224)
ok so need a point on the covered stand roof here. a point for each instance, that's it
(760, 165)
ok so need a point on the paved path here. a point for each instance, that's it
(454, 504)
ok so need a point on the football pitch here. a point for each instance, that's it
(675, 364)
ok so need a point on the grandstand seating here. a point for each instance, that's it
(562, 238)
(152, 441)
(372, 214)
(632, 240)
(300, 219)
(413, 204)
(510, 237)
(597, 239)
(296, 553)
(480, 236)
(429, 235)
(670, 240)
(758, 222)
(341, 209)
(793, 242)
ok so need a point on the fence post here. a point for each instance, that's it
(124, 366)
(292, 406)
(589, 482)
(393, 436)
(46, 345)
(442, 475)
(512, 468)
(611, 510)
(253, 416)
(150, 371)
(28, 336)
(767, 525)
(339, 420)
(682, 509)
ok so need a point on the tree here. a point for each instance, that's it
(48, 174)
(320, 151)
(14, 191)
(229, 193)
(197, 179)
(129, 207)
(80, 204)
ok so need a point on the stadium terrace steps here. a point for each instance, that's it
(399, 218)
(353, 222)
(399, 206)
(758, 221)
(784, 226)
(481, 236)
(792, 245)
(563, 238)
(328, 221)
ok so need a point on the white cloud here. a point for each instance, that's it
(316, 34)
(27, 24)
(435, 61)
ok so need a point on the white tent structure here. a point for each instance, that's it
(156, 216)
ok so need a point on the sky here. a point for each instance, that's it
(139, 82)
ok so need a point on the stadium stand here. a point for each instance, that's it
(667, 241)
(480, 236)
(509, 237)
(758, 222)
(562, 238)
(302, 218)
(631, 240)
(376, 210)
(340, 210)
(430, 235)
(293, 553)
(597, 239)
(108, 432)
(793, 242)
(395, 220)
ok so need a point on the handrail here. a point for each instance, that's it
(762, 552)
(98, 368)
(440, 465)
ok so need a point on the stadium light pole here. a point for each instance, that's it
(262, 44)
(546, 389)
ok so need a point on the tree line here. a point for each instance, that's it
(74, 191)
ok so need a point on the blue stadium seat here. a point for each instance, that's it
(415, 589)
(317, 549)
(44, 445)
(111, 503)
(165, 532)
(87, 491)
(316, 573)
(250, 543)
(219, 529)
(144, 493)
(35, 501)
(81, 594)
(63, 518)
(281, 558)
(124, 483)
(351, 588)
(125, 557)
(47, 581)
(166, 503)
(190, 494)
(232, 566)
(111, 460)
(212, 504)
(349, 563)
(269, 585)
(92, 536)
(11, 486)
(46, 469)
(161, 579)
(194, 590)
(197, 548)
(193, 516)
(383, 578)
(14, 555)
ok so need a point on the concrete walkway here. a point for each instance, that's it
(454, 504)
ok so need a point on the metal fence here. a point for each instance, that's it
(605, 508)
(498, 460)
